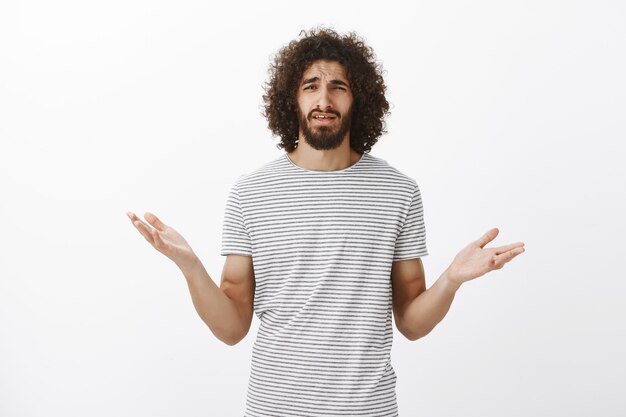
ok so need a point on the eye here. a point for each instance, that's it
(310, 87)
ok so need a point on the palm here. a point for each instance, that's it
(165, 239)
(475, 260)
(173, 242)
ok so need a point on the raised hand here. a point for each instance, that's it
(165, 239)
(476, 260)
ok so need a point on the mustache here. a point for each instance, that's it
(330, 111)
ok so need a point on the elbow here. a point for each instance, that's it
(226, 336)
(232, 340)
(411, 337)
(414, 335)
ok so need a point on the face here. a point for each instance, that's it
(324, 105)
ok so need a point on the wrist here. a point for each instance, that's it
(191, 267)
(450, 282)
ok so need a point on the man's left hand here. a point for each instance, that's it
(475, 260)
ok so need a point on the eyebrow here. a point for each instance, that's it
(315, 79)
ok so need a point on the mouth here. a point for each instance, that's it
(324, 118)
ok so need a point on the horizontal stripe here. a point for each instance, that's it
(322, 245)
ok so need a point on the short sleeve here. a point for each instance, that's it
(235, 237)
(411, 242)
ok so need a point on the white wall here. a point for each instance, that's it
(508, 114)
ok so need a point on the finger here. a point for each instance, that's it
(145, 230)
(135, 219)
(488, 237)
(506, 248)
(158, 242)
(154, 221)
(500, 260)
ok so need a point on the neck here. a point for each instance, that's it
(324, 160)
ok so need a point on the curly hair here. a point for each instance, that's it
(364, 74)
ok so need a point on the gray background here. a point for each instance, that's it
(508, 114)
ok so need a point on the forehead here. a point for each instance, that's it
(324, 69)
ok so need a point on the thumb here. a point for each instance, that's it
(154, 221)
(488, 237)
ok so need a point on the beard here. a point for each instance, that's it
(325, 137)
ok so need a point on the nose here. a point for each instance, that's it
(324, 100)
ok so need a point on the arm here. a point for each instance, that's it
(416, 310)
(227, 310)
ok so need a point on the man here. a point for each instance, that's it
(323, 243)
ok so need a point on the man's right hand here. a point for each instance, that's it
(166, 240)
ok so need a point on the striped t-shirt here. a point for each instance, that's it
(322, 244)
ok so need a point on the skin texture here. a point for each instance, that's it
(324, 89)
(362, 69)
(417, 310)
(226, 310)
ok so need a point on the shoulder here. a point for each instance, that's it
(396, 177)
(261, 171)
